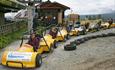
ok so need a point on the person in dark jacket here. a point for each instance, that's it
(110, 22)
(35, 22)
(53, 32)
(33, 41)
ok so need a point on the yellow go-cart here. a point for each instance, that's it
(47, 43)
(81, 30)
(62, 34)
(25, 57)
(105, 25)
(73, 32)
(113, 25)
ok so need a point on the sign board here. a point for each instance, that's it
(19, 56)
(73, 17)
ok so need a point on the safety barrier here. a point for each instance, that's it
(73, 44)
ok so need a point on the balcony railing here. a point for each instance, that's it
(26, 1)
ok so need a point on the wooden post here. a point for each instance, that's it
(60, 14)
(1, 18)
(31, 14)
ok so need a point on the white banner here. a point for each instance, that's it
(19, 56)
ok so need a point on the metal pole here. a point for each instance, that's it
(31, 14)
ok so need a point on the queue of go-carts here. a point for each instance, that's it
(29, 55)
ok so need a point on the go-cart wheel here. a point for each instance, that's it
(68, 36)
(104, 35)
(111, 34)
(65, 39)
(98, 36)
(86, 39)
(83, 32)
(77, 42)
(93, 37)
(55, 45)
(82, 40)
(89, 37)
(69, 47)
(51, 49)
(38, 60)
(101, 35)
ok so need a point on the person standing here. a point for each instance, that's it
(110, 22)
(35, 23)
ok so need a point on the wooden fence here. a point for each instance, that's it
(12, 27)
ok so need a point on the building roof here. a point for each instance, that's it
(8, 5)
(52, 5)
(26, 1)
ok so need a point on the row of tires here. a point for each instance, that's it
(73, 45)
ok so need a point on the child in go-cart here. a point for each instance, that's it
(34, 41)
(53, 32)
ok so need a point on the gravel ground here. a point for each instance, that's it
(95, 54)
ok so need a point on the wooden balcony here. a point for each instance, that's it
(9, 4)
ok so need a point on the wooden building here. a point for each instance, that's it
(51, 10)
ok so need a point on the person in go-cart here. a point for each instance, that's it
(34, 41)
(53, 32)
(110, 21)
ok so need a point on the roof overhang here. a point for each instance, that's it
(52, 5)
(8, 5)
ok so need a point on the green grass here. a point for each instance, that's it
(7, 39)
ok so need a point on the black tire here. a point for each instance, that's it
(84, 32)
(51, 49)
(65, 39)
(89, 37)
(86, 39)
(68, 36)
(96, 29)
(93, 37)
(82, 40)
(77, 42)
(111, 34)
(101, 35)
(38, 60)
(104, 35)
(69, 47)
(98, 36)
(55, 45)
